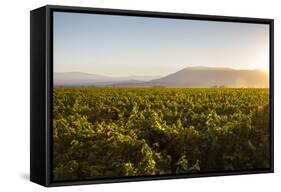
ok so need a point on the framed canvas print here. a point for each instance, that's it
(122, 95)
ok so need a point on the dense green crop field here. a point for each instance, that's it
(113, 132)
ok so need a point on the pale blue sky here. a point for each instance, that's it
(124, 46)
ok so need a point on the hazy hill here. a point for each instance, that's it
(86, 79)
(213, 76)
(188, 77)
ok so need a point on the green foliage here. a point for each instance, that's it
(182, 165)
(113, 132)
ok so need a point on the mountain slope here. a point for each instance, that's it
(86, 79)
(188, 77)
(213, 77)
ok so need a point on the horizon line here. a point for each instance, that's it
(199, 66)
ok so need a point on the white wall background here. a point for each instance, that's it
(14, 96)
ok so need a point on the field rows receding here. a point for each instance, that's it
(113, 132)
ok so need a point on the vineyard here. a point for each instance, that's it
(117, 132)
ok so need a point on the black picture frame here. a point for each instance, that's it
(41, 87)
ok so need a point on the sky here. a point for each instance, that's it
(144, 46)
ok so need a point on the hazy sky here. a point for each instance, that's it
(124, 46)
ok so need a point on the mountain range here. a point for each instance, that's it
(86, 79)
(188, 77)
